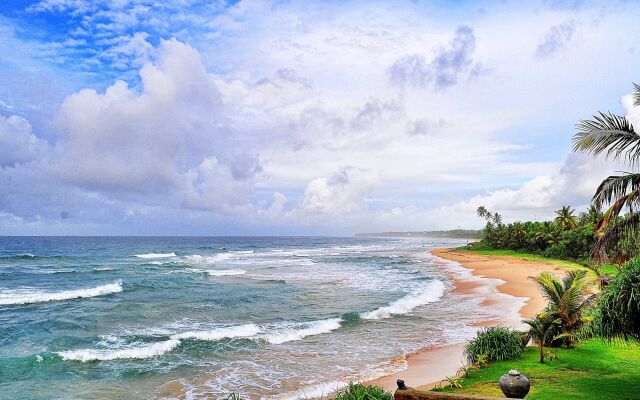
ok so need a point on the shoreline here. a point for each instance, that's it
(501, 282)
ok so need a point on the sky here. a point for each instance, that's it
(188, 117)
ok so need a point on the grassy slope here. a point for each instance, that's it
(594, 370)
(606, 269)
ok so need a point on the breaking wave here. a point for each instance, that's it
(155, 255)
(431, 292)
(148, 351)
(27, 296)
(303, 330)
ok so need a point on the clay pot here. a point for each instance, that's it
(514, 385)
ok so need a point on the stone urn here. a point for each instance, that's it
(514, 385)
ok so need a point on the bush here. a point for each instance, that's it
(496, 343)
(558, 250)
(357, 391)
(619, 306)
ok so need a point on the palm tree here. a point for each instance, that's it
(541, 331)
(567, 299)
(614, 136)
(593, 215)
(565, 218)
(482, 212)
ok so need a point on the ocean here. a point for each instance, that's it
(199, 317)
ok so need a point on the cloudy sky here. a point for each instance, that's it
(310, 117)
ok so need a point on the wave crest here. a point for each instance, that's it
(431, 292)
(309, 329)
(149, 351)
(155, 255)
(23, 296)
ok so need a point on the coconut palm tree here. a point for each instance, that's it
(542, 331)
(565, 218)
(567, 298)
(593, 215)
(615, 137)
(482, 212)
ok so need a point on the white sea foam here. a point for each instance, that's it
(216, 258)
(240, 331)
(431, 292)
(155, 255)
(226, 272)
(158, 348)
(301, 331)
(156, 262)
(147, 351)
(28, 296)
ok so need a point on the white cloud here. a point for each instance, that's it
(18, 144)
(342, 193)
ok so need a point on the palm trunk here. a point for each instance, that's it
(570, 344)
(541, 347)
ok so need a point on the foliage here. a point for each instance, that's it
(567, 237)
(234, 396)
(615, 137)
(495, 343)
(593, 370)
(542, 330)
(452, 381)
(567, 298)
(357, 391)
(619, 304)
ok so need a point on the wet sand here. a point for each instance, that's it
(502, 283)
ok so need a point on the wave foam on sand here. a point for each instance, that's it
(26, 296)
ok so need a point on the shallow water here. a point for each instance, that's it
(198, 317)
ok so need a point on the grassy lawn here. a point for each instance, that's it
(525, 256)
(594, 370)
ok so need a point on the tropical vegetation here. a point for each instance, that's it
(495, 343)
(357, 391)
(542, 332)
(618, 311)
(568, 299)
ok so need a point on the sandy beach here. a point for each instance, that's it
(502, 282)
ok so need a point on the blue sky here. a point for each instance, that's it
(292, 117)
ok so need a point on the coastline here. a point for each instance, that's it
(501, 282)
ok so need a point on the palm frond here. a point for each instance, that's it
(612, 213)
(636, 94)
(629, 226)
(609, 133)
(614, 187)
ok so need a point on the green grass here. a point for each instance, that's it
(593, 370)
(525, 256)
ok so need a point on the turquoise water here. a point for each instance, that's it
(198, 317)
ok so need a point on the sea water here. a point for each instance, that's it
(200, 317)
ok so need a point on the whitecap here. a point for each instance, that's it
(198, 259)
(148, 351)
(431, 292)
(300, 331)
(28, 296)
(230, 332)
(155, 255)
(226, 272)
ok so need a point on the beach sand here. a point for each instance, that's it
(502, 282)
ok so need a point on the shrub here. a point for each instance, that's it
(618, 313)
(496, 343)
(357, 391)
